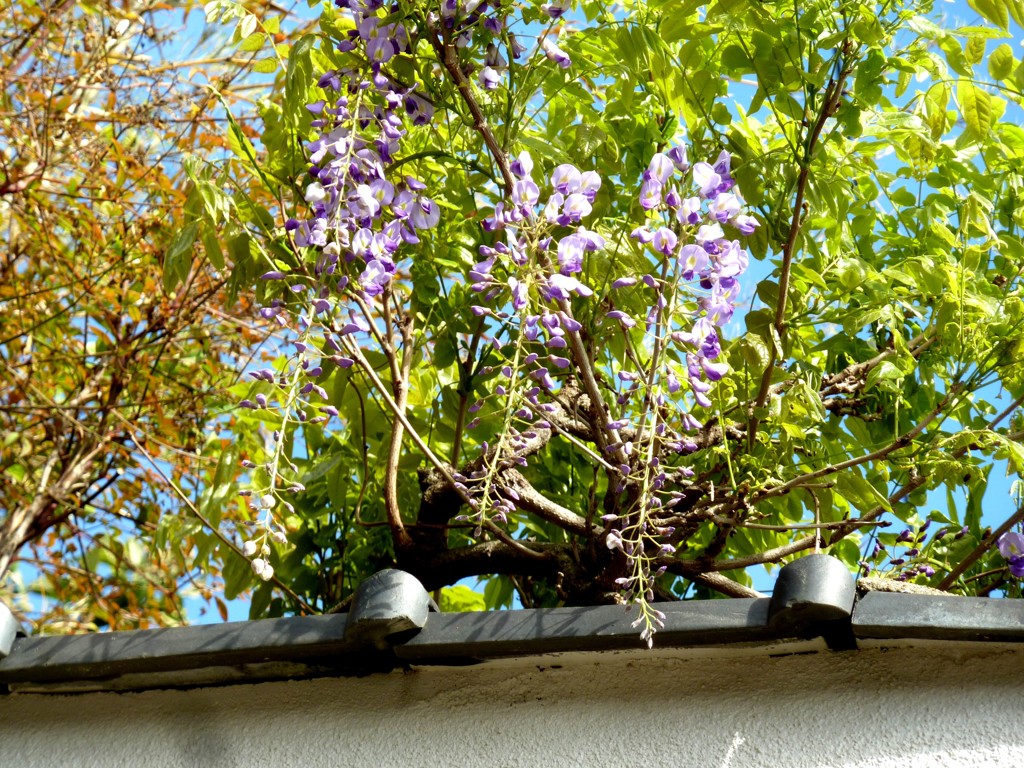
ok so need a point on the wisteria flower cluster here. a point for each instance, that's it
(691, 294)
(528, 279)
(482, 25)
(908, 554)
(361, 218)
(478, 24)
(532, 272)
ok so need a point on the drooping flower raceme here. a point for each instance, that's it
(538, 266)
(690, 291)
(525, 278)
(360, 218)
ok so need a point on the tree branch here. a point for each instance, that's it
(529, 499)
(830, 103)
(439, 569)
(449, 57)
(688, 567)
(723, 585)
(400, 387)
(981, 549)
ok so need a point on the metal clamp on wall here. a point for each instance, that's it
(816, 592)
(388, 609)
(9, 630)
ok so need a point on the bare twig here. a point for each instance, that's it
(687, 567)
(448, 54)
(724, 585)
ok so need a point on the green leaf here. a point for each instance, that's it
(884, 371)
(974, 49)
(298, 78)
(850, 272)
(253, 42)
(995, 11)
(211, 243)
(903, 198)
(498, 592)
(213, 10)
(261, 598)
(976, 107)
(266, 66)
(461, 599)
(237, 574)
(247, 25)
(17, 471)
(863, 495)
(735, 59)
(178, 257)
(1010, 450)
(1000, 62)
(240, 144)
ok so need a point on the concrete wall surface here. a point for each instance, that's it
(936, 706)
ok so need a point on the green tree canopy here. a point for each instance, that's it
(614, 303)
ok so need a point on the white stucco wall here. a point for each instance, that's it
(903, 707)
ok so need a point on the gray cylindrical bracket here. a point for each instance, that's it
(815, 588)
(388, 608)
(9, 629)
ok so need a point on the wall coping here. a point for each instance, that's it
(390, 627)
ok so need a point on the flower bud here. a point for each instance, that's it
(263, 569)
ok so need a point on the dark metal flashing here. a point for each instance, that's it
(815, 599)
(320, 645)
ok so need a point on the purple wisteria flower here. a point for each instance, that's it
(489, 78)
(1011, 546)
(359, 216)
(690, 232)
(556, 8)
(555, 54)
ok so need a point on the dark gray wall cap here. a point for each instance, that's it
(9, 630)
(885, 615)
(812, 589)
(388, 608)
(451, 637)
(111, 654)
(320, 646)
